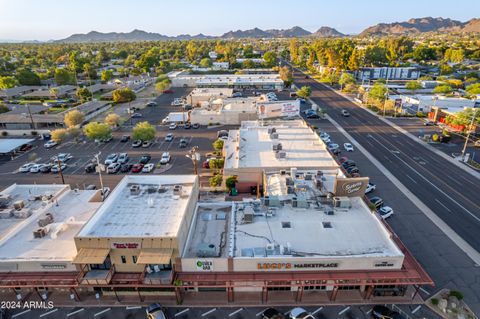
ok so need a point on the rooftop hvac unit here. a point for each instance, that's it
(282, 154)
(135, 189)
(290, 190)
(300, 202)
(277, 146)
(271, 130)
(48, 219)
(162, 189)
(177, 189)
(274, 136)
(329, 210)
(289, 181)
(293, 171)
(6, 213)
(206, 250)
(342, 202)
(39, 233)
(247, 218)
(308, 177)
(283, 172)
(24, 213)
(266, 201)
(319, 173)
(151, 189)
(19, 204)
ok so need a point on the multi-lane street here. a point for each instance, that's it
(449, 191)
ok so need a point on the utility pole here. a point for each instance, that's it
(99, 169)
(31, 116)
(474, 116)
(59, 163)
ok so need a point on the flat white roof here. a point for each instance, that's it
(354, 232)
(252, 146)
(70, 210)
(212, 92)
(154, 211)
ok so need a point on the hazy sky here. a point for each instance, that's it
(55, 19)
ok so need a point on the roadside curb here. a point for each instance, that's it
(400, 129)
(444, 227)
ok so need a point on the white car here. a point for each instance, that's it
(50, 144)
(112, 158)
(25, 168)
(56, 169)
(177, 102)
(148, 168)
(172, 126)
(62, 157)
(123, 158)
(385, 212)
(165, 158)
(370, 188)
(165, 120)
(169, 137)
(300, 313)
(348, 147)
(36, 168)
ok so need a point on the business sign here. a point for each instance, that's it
(278, 109)
(293, 266)
(125, 245)
(351, 187)
(398, 103)
(204, 265)
(384, 264)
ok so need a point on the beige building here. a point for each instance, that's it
(230, 111)
(199, 95)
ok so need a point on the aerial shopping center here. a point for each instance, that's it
(304, 234)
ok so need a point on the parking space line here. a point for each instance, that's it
(102, 312)
(133, 307)
(344, 310)
(319, 309)
(209, 312)
(75, 312)
(21, 313)
(258, 314)
(181, 312)
(235, 312)
(48, 312)
(426, 292)
(368, 312)
(416, 309)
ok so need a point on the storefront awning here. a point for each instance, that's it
(155, 256)
(91, 256)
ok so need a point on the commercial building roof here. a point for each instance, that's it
(18, 90)
(212, 92)
(143, 206)
(37, 118)
(27, 231)
(9, 144)
(252, 146)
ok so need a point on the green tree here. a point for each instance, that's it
(64, 77)
(346, 78)
(424, 53)
(27, 77)
(248, 64)
(230, 182)
(205, 63)
(443, 89)
(3, 108)
(473, 88)
(378, 92)
(215, 180)
(7, 82)
(304, 92)
(454, 55)
(161, 86)
(112, 119)
(446, 69)
(286, 75)
(96, 130)
(89, 71)
(218, 144)
(73, 118)
(413, 86)
(123, 95)
(270, 58)
(144, 131)
(107, 75)
(464, 117)
(59, 135)
(84, 94)
(354, 60)
(216, 163)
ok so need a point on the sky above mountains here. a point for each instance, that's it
(53, 19)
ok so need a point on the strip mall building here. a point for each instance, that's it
(310, 238)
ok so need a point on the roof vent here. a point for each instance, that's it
(48, 219)
(39, 232)
(327, 225)
(19, 205)
(277, 146)
(135, 189)
(177, 189)
(286, 225)
(274, 136)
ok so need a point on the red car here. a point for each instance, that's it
(137, 168)
(168, 91)
(343, 159)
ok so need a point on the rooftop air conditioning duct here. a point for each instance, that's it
(19, 204)
(48, 219)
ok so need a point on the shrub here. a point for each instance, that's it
(34, 133)
(215, 180)
(420, 114)
(4, 133)
(434, 301)
(230, 182)
(456, 293)
(218, 144)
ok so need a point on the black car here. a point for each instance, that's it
(125, 138)
(336, 151)
(352, 170)
(312, 116)
(348, 163)
(90, 168)
(183, 143)
(125, 168)
(152, 103)
(382, 312)
(145, 159)
(272, 313)
(377, 201)
(137, 143)
(195, 125)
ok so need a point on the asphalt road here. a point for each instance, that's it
(449, 191)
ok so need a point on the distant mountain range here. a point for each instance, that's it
(412, 26)
(422, 25)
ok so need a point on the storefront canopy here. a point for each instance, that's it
(91, 256)
(155, 256)
(10, 144)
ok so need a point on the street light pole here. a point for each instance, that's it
(31, 116)
(474, 116)
(60, 169)
(99, 169)
(194, 156)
